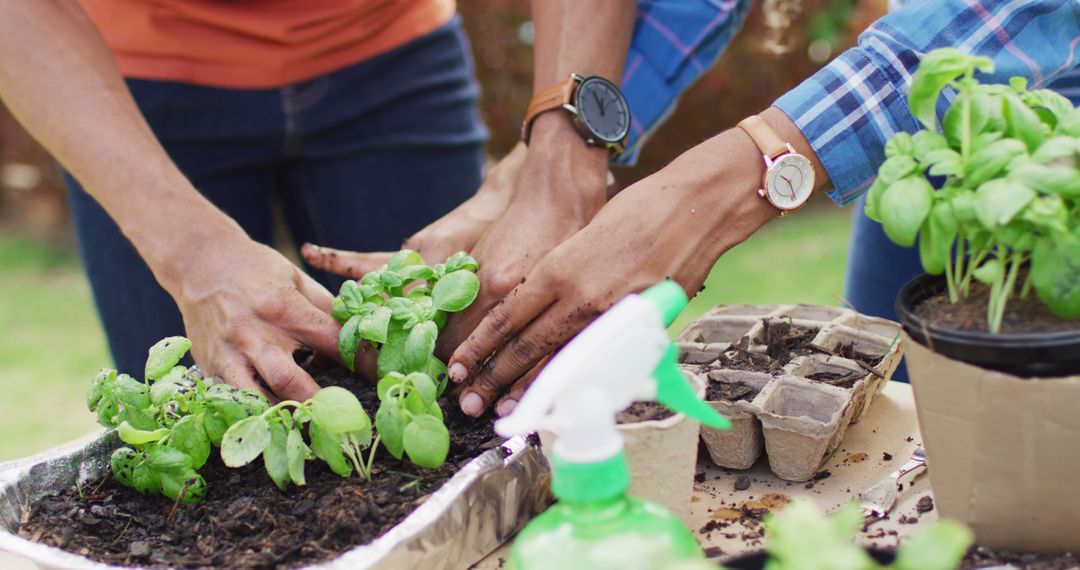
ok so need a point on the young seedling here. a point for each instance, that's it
(400, 310)
(1010, 158)
(170, 421)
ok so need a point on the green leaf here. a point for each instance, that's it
(166, 387)
(244, 441)
(1022, 123)
(991, 160)
(896, 168)
(189, 436)
(101, 386)
(944, 162)
(131, 392)
(373, 326)
(107, 411)
(414, 403)
(801, 536)
(436, 370)
(188, 487)
(391, 280)
(419, 292)
(926, 142)
(389, 381)
(1055, 148)
(145, 479)
(339, 311)
(167, 460)
(417, 273)
(350, 296)
(1055, 274)
(139, 419)
(403, 259)
(424, 386)
(215, 426)
(937, 237)
(936, 70)
(900, 145)
(427, 442)
(348, 341)
(461, 261)
(998, 201)
(337, 410)
(327, 446)
(903, 208)
(296, 451)
(1059, 180)
(455, 291)
(134, 436)
(390, 422)
(123, 462)
(391, 354)
(941, 546)
(435, 410)
(419, 346)
(1058, 106)
(275, 457)
(989, 272)
(403, 309)
(164, 355)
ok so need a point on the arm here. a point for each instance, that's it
(60, 81)
(679, 221)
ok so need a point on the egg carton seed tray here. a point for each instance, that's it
(791, 378)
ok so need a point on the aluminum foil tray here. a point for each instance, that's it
(470, 516)
(795, 419)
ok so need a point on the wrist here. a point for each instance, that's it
(554, 138)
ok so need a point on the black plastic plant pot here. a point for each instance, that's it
(757, 560)
(1044, 354)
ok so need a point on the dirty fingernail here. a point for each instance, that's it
(472, 404)
(458, 372)
(505, 407)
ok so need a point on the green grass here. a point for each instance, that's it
(52, 344)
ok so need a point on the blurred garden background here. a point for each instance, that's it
(50, 340)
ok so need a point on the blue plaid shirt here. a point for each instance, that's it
(849, 108)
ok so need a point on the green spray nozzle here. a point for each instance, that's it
(669, 297)
(675, 392)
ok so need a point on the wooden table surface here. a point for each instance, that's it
(889, 427)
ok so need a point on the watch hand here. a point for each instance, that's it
(599, 103)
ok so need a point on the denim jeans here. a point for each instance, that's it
(358, 159)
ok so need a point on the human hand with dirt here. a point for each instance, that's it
(459, 230)
(672, 225)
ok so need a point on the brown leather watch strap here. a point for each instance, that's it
(553, 97)
(766, 139)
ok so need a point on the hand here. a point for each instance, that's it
(674, 224)
(561, 186)
(457, 231)
(247, 309)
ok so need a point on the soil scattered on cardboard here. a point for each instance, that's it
(982, 557)
(1028, 315)
(245, 521)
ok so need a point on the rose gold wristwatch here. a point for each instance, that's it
(789, 176)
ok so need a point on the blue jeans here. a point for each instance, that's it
(358, 159)
(877, 269)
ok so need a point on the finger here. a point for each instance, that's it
(367, 361)
(505, 319)
(287, 380)
(523, 351)
(508, 402)
(304, 322)
(349, 263)
(315, 292)
(235, 371)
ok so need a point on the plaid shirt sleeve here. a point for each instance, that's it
(674, 43)
(849, 108)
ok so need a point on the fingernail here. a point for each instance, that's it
(505, 407)
(472, 404)
(458, 372)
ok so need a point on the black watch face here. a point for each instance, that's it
(603, 109)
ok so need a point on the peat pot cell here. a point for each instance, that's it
(700, 354)
(718, 329)
(855, 345)
(786, 339)
(735, 385)
(819, 313)
(828, 370)
(743, 310)
(818, 402)
(877, 327)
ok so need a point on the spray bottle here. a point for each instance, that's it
(623, 357)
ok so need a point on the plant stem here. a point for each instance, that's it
(960, 258)
(1026, 289)
(965, 287)
(371, 455)
(1006, 292)
(950, 281)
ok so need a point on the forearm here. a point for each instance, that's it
(59, 80)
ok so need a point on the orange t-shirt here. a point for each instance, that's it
(256, 44)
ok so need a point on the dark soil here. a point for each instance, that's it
(644, 412)
(1028, 315)
(925, 505)
(785, 341)
(981, 557)
(847, 350)
(244, 520)
(841, 379)
(718, 390)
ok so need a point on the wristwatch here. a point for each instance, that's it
(789, 176)
(596, 107)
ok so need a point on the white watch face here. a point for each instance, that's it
(789, 182)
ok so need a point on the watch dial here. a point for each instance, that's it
(603, 109)
(790, 181)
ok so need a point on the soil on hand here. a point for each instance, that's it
(644, 412)
(719, 389)
(1027, 315)
(844, 379)
(245, 521)
(982, 557)
(785, 340)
